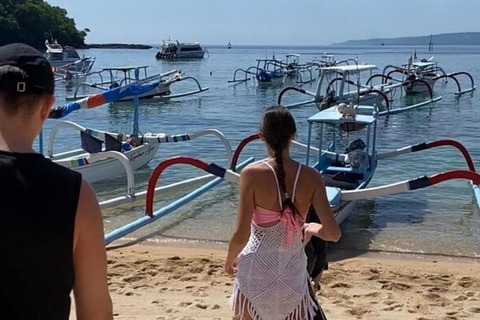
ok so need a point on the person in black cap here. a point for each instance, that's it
(50, 222)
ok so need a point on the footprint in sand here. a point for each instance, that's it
(474, 309)
(432, 296)
(397, 306)
(188, 278)
(465, 284)
(132, 278)
(437, 289)
(372, 294)
(175, 258)
(184, 304)
(359, 311)
(340, 285)
(397, 286)
(201, 306)
(460, 298)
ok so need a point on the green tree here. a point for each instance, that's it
(33, 21)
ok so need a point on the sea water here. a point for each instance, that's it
(442, 219)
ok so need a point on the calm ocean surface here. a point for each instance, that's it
(440, 219)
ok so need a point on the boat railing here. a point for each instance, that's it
(246, 72)
(164, 138)
(300, 76)
(126, 163)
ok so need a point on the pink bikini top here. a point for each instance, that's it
(262, 215)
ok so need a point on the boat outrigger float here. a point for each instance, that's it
(346, 173)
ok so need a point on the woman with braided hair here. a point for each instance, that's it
(266, 252)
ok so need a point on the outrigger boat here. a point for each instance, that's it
(75, 72)
(105, 155)
(344, 85)
(59, 56)
(347, 173)
(420, 77)
(159, 83)
(275, 71)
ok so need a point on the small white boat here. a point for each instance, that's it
(60, 57)
(172, 49)
(74, 73)
(341, 87)
(420, 77)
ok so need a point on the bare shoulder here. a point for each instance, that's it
(312, 175)
(253, 172)
(253, 169)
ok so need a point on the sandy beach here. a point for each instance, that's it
(166, 283)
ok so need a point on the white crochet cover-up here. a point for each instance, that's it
(272, 282)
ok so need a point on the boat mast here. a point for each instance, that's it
(135, 106)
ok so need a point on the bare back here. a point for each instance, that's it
(266, 195)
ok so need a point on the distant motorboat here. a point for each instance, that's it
(59, 56)
(229, 45)
(172, 49)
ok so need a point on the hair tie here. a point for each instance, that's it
(286, 196)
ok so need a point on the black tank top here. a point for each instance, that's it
(38, 204)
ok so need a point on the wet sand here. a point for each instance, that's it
(166, 283)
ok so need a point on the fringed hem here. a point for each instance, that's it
(306, 310)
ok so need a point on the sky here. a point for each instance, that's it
(267, 22)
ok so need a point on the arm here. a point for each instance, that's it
(330, 230)
(244, 218)
(90, 290)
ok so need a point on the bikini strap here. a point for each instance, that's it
(295, 183)
(278, 186)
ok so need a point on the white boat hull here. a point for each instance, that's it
(342, 214)
(111, 168)
(419, 88)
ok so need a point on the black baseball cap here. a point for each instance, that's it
(37, 76)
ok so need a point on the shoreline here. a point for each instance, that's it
(173, 282)
(118, 46)
(335, 254)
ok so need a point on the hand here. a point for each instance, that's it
(230, 267)
(309, 230)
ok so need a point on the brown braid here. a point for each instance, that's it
(277, 128)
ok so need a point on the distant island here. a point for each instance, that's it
(459, 38)
(118, 46)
